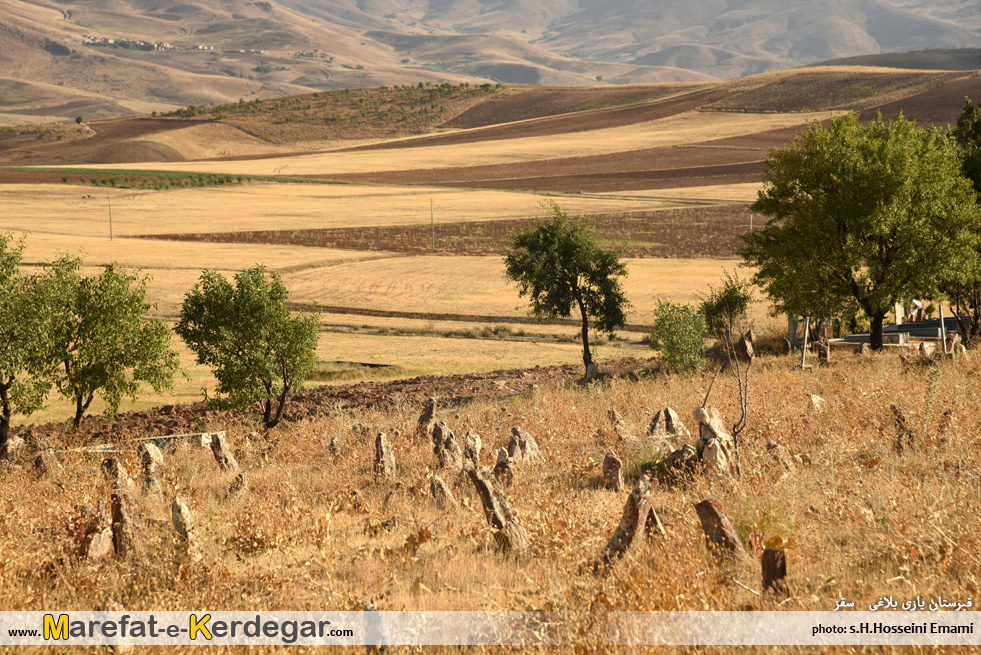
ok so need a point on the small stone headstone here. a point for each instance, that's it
(239, 485)
(127, 537)
(427, 420)
(653, 526)
(667, 422)
(446, 448)
(632, 522)
(592, 370)
(222, 451)
(441, 493)
(117, 475)
(775, 572)
(523, 447)
(714, 458)
(745, 349)
(718, 530)
(471, 448)
(183, 522)
(682, 461)
(905, 434)
(865, 350)
(616, 420)
(150, 458)
(503, 472)
(46, 463)
(509, 534)
(100, 547)
(384, 458)
(15, 446)
(612, 472)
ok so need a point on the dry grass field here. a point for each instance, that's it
(858, 519)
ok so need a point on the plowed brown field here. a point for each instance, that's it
(689, 232)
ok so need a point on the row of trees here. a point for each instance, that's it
(89, 336)
(860, 217)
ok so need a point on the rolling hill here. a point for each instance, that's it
(109, 58)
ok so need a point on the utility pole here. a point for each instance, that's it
(432, 222)
(109, 198)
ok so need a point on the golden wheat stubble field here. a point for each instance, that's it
(75, 218)
(858, 518)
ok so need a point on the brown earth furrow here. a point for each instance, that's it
(702, 231)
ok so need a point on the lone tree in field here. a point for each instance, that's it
(256, 349)
(24, 325)
(862, 216)
(965, 292)
(559, 265)
(101, 341)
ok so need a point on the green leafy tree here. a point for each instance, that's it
(101, 339)
(862, 216)
(724, 307)
(964, 292)
(559, 265)
(24, 325)
(677, 334)
(256, 349)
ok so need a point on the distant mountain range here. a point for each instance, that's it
(112, 57)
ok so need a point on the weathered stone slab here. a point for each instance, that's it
(471, 448)
(447, 450)
(239, 485)
(127, 528)
(509, 534)
(100, 546)
(503, 472)
(427, 420)
(632, 523)
(151, 458)
(667, 423)
(117, 475)
(774, 563)
(718, 530)
(222, 451)
(905, 434)
(441, 493)
(612, 472)
(523, 447)
(384, 458)
(187, 546)
(47, 464)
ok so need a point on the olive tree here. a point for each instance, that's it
(24, 325)
(257, 350)
(101, 342)
(560, 265)
(862, 216)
